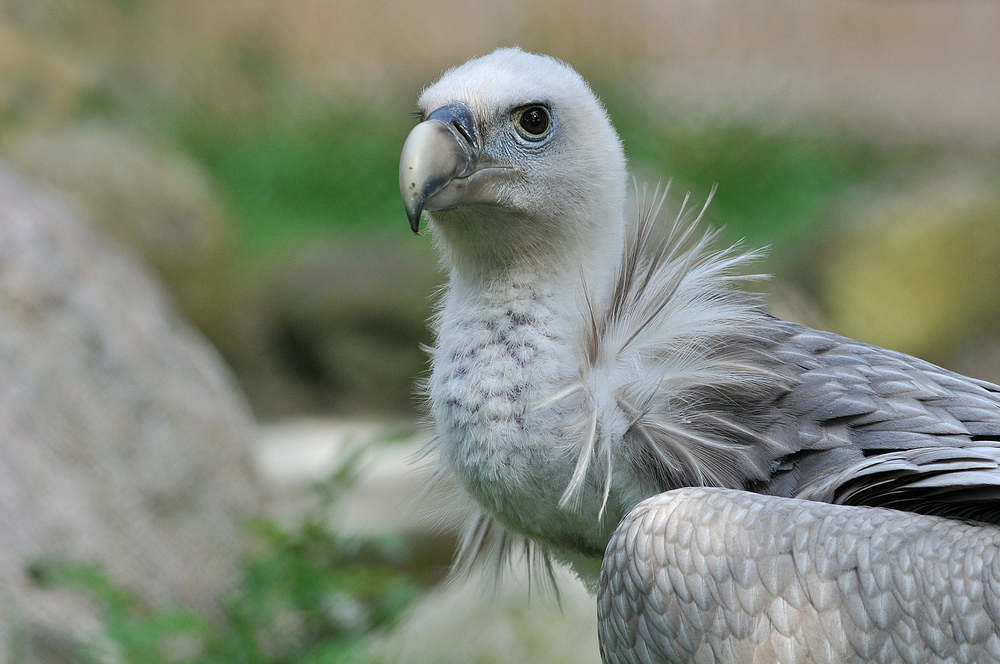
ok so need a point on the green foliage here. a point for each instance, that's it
(324, 170)
(774, 183)
(333, 169)
(309, 595)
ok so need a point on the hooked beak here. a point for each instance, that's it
(442, 150)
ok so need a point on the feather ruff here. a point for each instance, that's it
(671, 343)
(661, 353)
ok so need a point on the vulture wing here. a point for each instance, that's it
(714, 575)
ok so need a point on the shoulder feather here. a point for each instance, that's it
(666, 357)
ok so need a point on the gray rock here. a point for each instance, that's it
(158, 202)
(123, 437)
(336, 326)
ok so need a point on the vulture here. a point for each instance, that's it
(734, 487)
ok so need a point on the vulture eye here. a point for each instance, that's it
(532, 122)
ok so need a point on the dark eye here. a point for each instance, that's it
(533, 122)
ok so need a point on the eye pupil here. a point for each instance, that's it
(534, 120)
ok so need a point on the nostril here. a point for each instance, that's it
(458, 118)
(463, 131)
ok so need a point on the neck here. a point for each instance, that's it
(507, 337)
(490, 254)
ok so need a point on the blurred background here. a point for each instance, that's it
(211, 306)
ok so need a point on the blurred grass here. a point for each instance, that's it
(333, 171)
(330, 170)
(322, 171)
(775, 183)
(297, 160)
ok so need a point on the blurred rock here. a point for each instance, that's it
(123, 437)
(917, 270)
(335, 329)
(293, 455)
(156, 201)
(39, 84)
(389, 495)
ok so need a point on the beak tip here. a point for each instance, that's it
(414, 209)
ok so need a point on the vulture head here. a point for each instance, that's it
(514, 161)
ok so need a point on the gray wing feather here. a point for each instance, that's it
(716, 392)
(715, 575)
(876, 427)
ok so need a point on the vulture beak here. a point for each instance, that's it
(438, 157)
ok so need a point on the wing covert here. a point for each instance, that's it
(715, 575)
